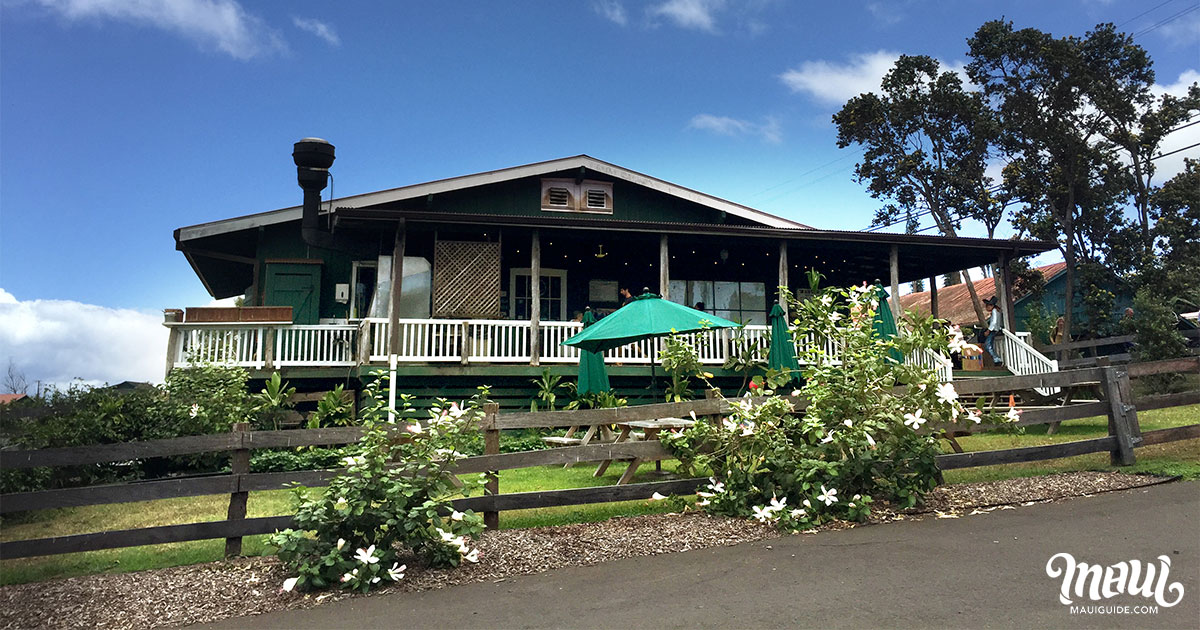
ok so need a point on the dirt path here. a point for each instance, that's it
(983, 570)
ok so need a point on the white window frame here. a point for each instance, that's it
(354, 305)
(528, 272)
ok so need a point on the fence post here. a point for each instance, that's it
(1118, 418)
(239, 461)
(491, 446)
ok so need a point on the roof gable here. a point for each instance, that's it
(418, 191)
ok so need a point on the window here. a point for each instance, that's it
(553, 294)
(567, 195)
(744, 302)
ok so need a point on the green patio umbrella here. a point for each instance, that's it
(885, 323)
(782, 354)
(593, 378)
(646, 316)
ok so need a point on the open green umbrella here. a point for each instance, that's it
(782, 354)
(646, 316)
(885, 323)
(593, 378)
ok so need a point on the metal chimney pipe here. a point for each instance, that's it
(313, 157)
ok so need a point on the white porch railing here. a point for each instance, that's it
(224, 344)
(1023, 359)
(934, 361)
(332, 345)
(271, 345)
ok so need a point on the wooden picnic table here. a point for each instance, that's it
(650, 430)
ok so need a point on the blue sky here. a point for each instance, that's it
(121, 121)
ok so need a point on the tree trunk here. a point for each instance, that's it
(975, 299)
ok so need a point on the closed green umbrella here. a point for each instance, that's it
(593, 378)
(646, 316)
(885, 324)
(782, 354)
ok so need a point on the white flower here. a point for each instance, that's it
(747, 428)
(806, 504)
(974, 415)
(796, 393)
(413, 428)
(763, 514)
(829, 497)
(797, 513)
(914, 420)
(455, 515)
(730, 425)
(703, 502)
(366, 556)
(375, 580)
(870, 440)
(456, 412)
(290, 584)
(851, 504)
(657, 496)
(396, 573)
(446, 536)
(346, 577)
(341, 543)
(693, 416)
(828, 438)
(716, 486)
(195, 410)
(473, 556)
(946, 393)
(777, 505)
(1013, 414)
(340, 505)
(354, 461)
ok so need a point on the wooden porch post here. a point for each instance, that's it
(1010, 313)
(664, 268)
(1001, 281)
(933, 304)
(894, 263)
(535, 300)
(397, 281)
(783, 272)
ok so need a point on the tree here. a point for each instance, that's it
(14, 380)
(1062, 105)
(1175, 209)
(925, 143)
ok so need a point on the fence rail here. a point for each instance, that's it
(1120, 407)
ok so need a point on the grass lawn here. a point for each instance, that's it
(1179, 458)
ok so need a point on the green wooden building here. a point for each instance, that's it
(477, 279)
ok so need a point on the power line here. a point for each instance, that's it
(802, 175)
(1156, 7)
(1168, 20)
(1162, 155)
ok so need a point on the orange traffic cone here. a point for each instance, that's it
(1012, 401)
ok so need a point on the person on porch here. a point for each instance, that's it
(993, 330)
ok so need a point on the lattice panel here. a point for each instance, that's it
(466, 280)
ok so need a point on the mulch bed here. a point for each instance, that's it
(249, 586)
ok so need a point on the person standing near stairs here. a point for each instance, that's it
(993, 330)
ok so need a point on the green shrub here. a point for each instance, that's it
(394, 494)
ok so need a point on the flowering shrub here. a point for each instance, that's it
(869, 430)
(394, 493)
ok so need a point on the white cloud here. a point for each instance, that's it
(692, 14)
(1167, 167)
(1185, 30)
(769, 130)
(612, 10)
(220, 24)
(835, 83)
(56, 341)
(884, 12)
(318, 28)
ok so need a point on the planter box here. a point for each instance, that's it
(235, 314)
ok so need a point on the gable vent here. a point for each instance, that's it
(559, 197)
(596, 198)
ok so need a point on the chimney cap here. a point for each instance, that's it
(313, 153)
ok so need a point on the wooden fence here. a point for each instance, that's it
(1062, 351)
(1123, 437)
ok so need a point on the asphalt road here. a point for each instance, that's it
(984, 571)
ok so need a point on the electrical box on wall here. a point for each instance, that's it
(341, 293)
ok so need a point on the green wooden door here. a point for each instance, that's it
(297, 286)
